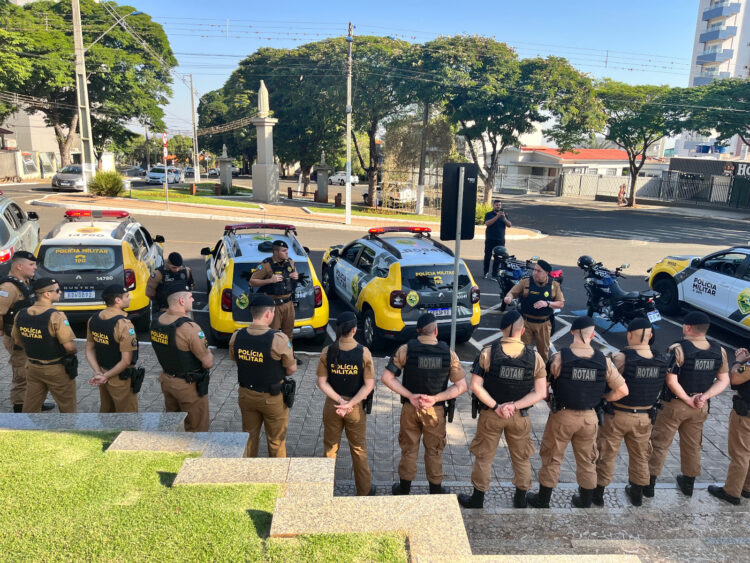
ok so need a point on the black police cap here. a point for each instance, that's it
(114, 289)
(346, 317)
(262, 300)
(175, 258)
(43, 284)
(509, 318)
(696, 318)
(25, 255)
(582, 322)
(177, 286)
(544, 265)
(425, 319)
(639, 323)
(280, 244)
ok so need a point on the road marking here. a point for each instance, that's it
(474, 343)
(496, 306)
(330, 333)
(484, 328)
(599, 340)
(203, 310)
(491, 338)
(560, 332)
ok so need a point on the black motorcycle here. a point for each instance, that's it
(607, 298)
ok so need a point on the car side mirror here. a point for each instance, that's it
(205, 251)
(33, 216)
(306, 249)
(159, 239)
(334, 253)
(696, 262)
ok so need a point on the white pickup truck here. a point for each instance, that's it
(340, 178)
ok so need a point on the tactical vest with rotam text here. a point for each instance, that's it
(698, 370)
(427, 368)
(582, 381)
(644, 377)
(509, 379)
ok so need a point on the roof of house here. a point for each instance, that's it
(580, 154)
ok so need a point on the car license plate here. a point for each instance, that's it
(79, 294)
(654, 316)
(62, 183)
(442, 312)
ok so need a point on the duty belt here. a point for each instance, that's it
(631, 411)
(261, 389)
(536, 321)
(280, 301)
(41, 363)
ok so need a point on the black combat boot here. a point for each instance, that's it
(583, 499)
(18, 408)
(373, 491)
(519, 499)
(540, 499)
(476, 500)
(746, 494)
(634, 493)
(686, 484)
(47, 406)
(720, 493)
(598, 498)
(403, 487)
(648, 490)
(439, 489)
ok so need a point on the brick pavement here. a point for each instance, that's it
(305, 436)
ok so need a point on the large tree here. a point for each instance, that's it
(722, 106)
(15, 68)
(181, 146)
(126, 82)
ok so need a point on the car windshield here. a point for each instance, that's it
(433, 277)
(78, 258)
(71, 169)
(157, 170)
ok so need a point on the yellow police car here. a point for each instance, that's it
(718, 284)
(229, 265)
(91, 249)
(393, 275)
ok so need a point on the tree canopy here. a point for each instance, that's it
(722, 106)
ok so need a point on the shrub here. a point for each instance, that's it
(106, 184)
(482, 210)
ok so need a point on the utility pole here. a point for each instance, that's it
(348, 214)
(196, 162)
(148, 152)
(82, 98)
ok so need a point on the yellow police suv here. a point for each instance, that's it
(718, 284)
(393, 275)
(91, 249)
(229, 265)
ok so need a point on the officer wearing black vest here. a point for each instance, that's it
(698, 372)
(508, 379)
(347, 376)
(182, 350)
(428, 366)
(579, 378)
(171, 272)
(631, 417)
(738, 476)
(264, 358)
(46, 336)
(277, 277)
(111, 349)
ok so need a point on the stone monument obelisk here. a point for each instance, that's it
(265, 171)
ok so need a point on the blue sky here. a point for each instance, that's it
(635, 41)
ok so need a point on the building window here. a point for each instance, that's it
(592, 171)
(611, 172)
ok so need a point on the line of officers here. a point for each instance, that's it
(639, 395)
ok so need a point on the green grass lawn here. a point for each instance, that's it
(362, 211)
(65, 499)
(184, 195)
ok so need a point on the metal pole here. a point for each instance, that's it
(456, 262)
(348, 214)
(196, 161)
(166, 169)
(82, 98)
(148, 153)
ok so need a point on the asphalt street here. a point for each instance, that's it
(613, 236)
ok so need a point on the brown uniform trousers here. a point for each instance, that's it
(636, 430)
(676, 416)
(117, 396)
(181, 396)
(283, 318)
(490, 428)
(18, 365)
(263, 409)
(538, 334)
(738, 476)
(41, 379)
(355, 425)
(579, 429)
(429, 424)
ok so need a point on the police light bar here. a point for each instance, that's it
(274, 226)
(96, 213)
(381, 230)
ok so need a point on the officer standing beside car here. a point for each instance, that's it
(182, 350)
(276, 278)
(347, 376)
(264, 358)
(46, 337)
(172, 271)
(540, 295)
(496, 222)
(428, 366)
(111, 350)
(698, 372)
(508, 379)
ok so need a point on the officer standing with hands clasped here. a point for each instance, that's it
(276, 278)
(182, 350)
(111, 350)
(631, 418)
(46, 336)
(540, 295)
(698, 372)
(496, 222)
(428, 366)
(579, 378)
(738, 476)
(172, 271)
(264, 358)
(508, 380)
(347, 376)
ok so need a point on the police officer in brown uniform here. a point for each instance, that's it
(428, 366)
(46, 336)
(264, 358)
(508, 380)
(631, 417)
(347, 376)
(540, 295)
(276, 278)
(738, 476)
(112, 348)
(172, 271)
(580, 376)
(699, 371)
(182, 351)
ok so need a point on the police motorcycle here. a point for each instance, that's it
(607, 298)
(508, 271)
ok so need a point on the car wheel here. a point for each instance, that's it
(330, 182)
(464, 336)
(327, 283)
(370, 331)
(668, 300)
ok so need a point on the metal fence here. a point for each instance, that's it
(514, 183)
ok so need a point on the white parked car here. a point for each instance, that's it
(340, 178)
(213, 172)
(156, 175)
